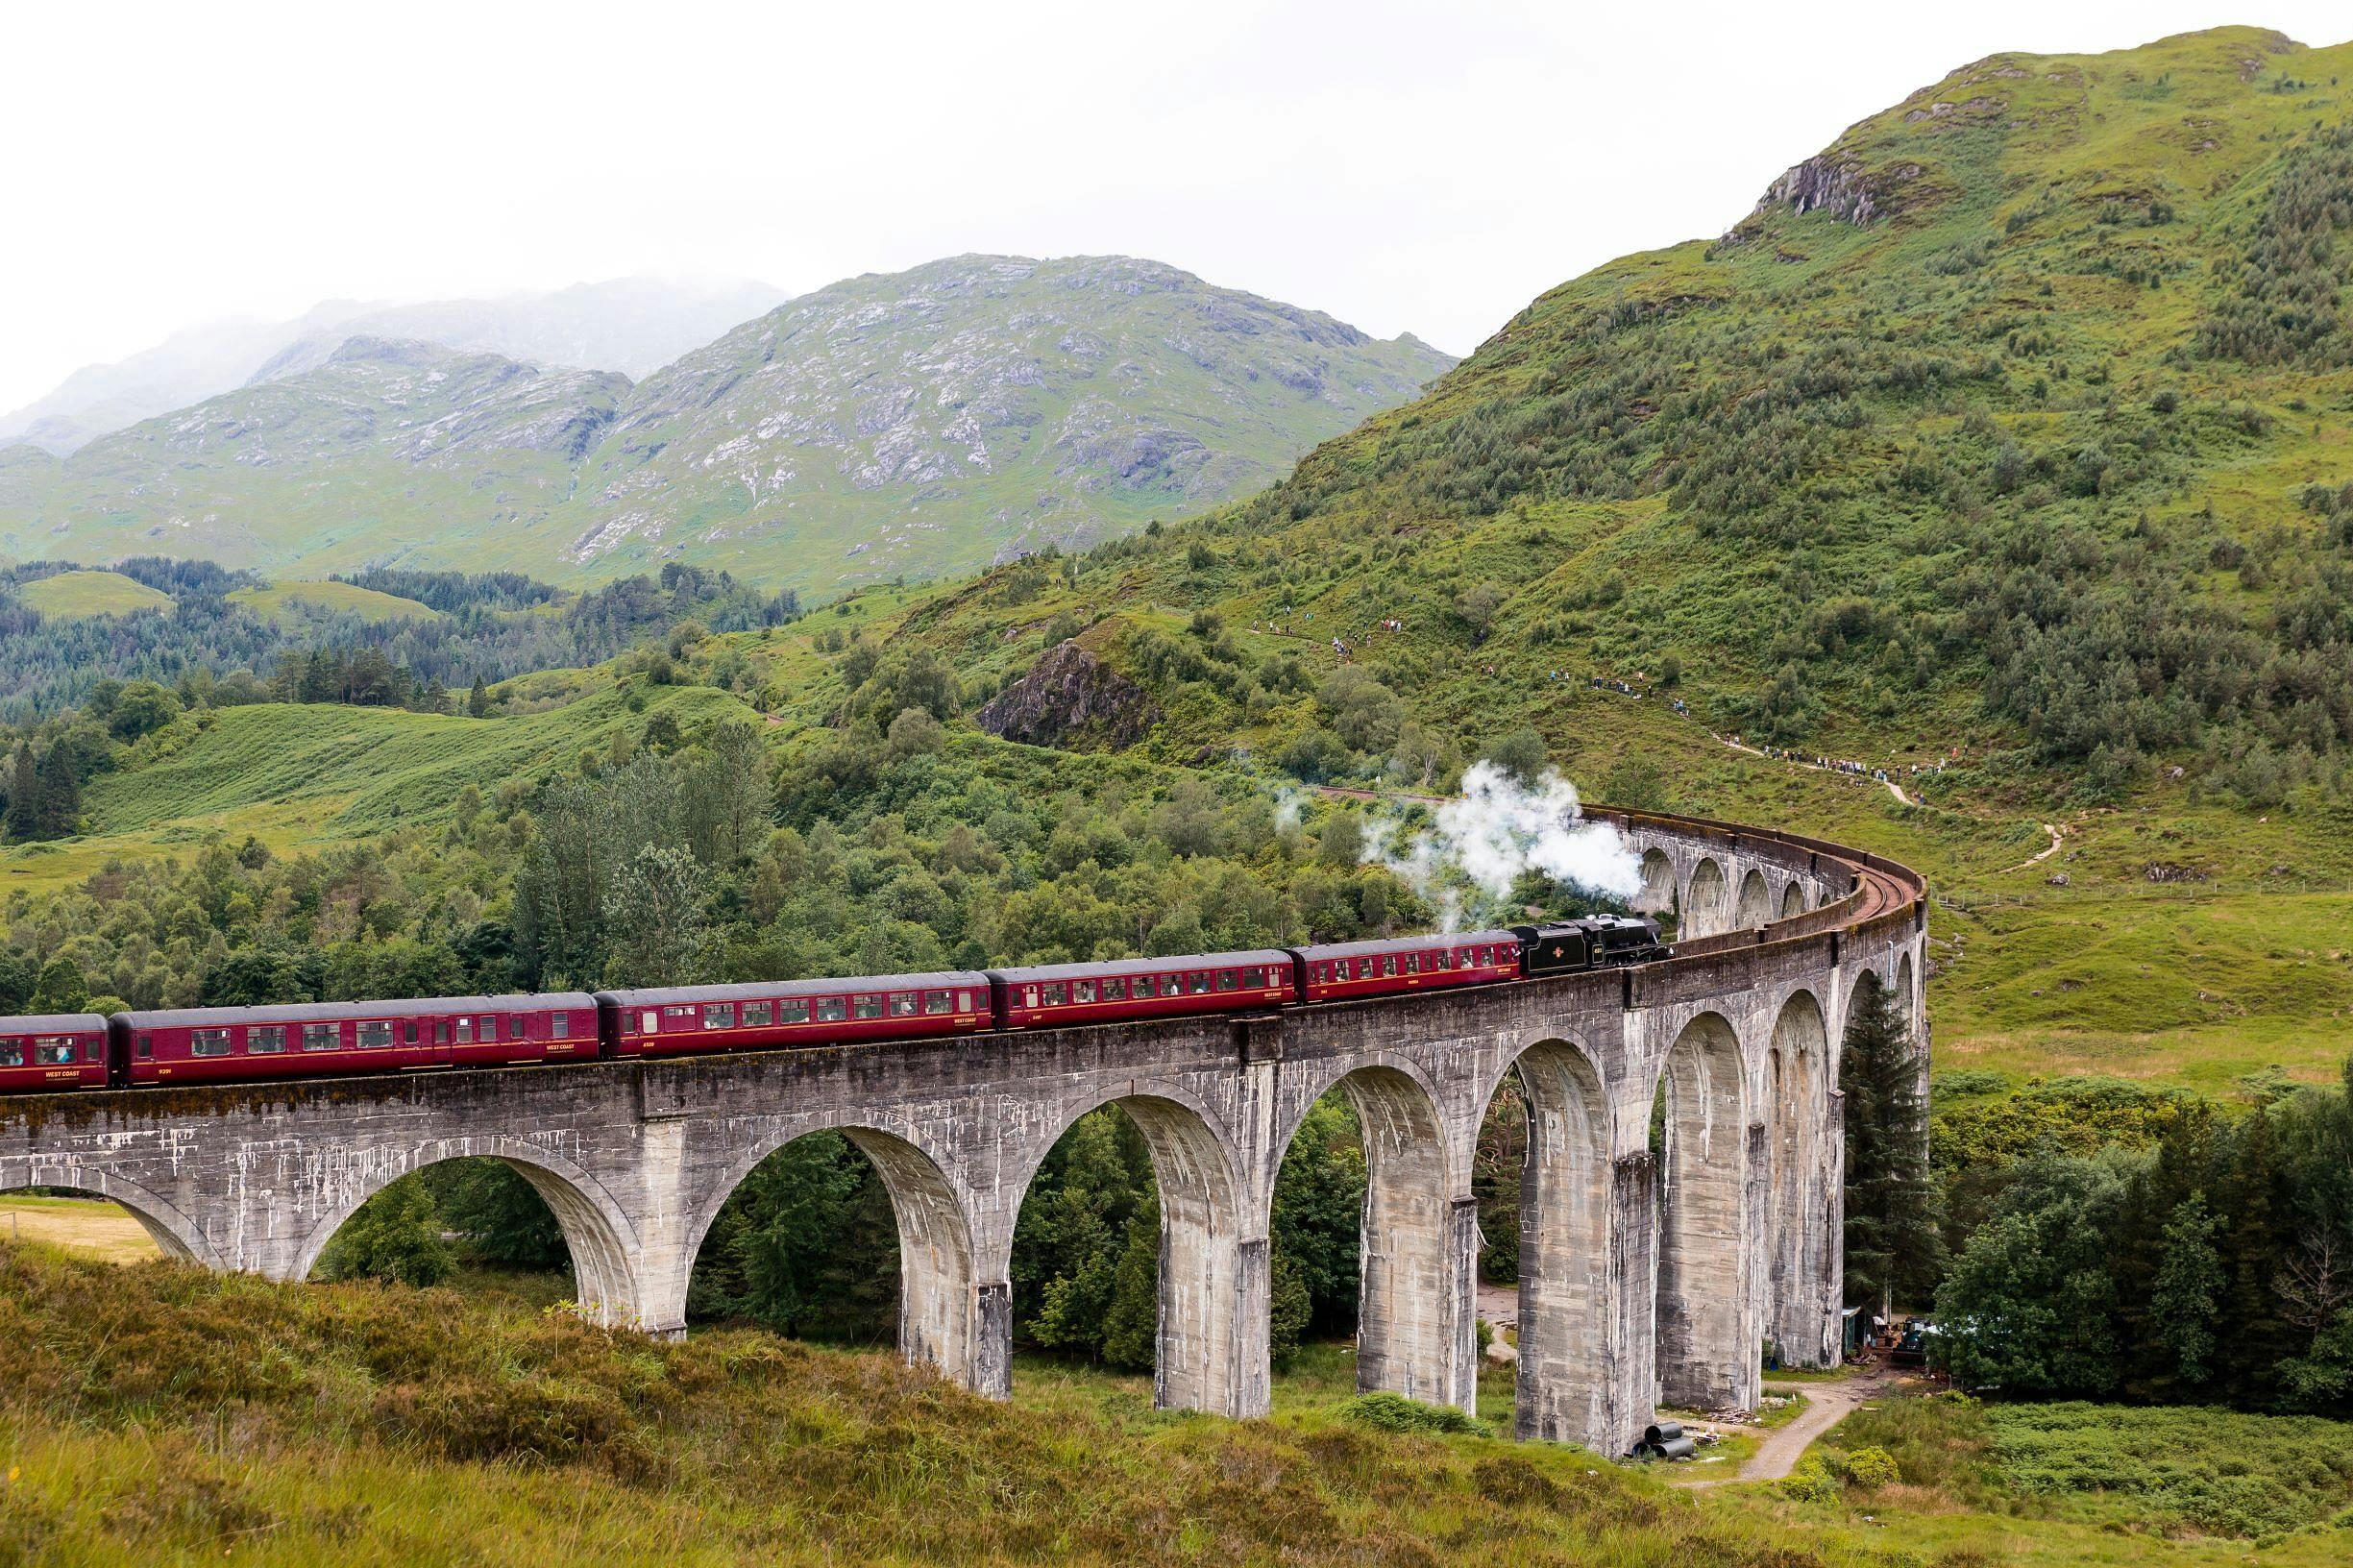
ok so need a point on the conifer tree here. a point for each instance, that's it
(24, 796)
(1893, 1245)
(57, 809)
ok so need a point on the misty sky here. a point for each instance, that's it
(1425, 167)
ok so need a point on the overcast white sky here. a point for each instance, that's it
(1425, 167)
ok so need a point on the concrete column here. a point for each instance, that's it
(1408, 1317)
(1566, 1254)
(1631, 1376)
(1462, 1289)
(1708, 1321)
(993, 1340)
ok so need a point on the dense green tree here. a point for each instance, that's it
(1893, 1245)
(2188, 1299)
(394, 1236)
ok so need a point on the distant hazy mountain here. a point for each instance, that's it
(632, 325)
(918, 422)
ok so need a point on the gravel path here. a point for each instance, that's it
(1826, 1405)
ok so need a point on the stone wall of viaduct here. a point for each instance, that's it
(1645, 1278)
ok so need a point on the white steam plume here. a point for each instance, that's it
(1498, 830)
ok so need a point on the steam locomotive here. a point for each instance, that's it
(308, 1039)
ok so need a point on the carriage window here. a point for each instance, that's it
(759, 1014)
(1228, 979)
(939, 1001)
(1408, 963)
(1367, 968)
(12, 1053)
(866, 1007)
(374, 1035)
(1055, 992)
(55, 1050)
(1082, 991)
(1388, 963)
(719, 1014)
(408, 1032)
(490, 1028)
(832, 1009)
(1197, 982)
(902, 1004)
(147, 1047)
(559, 1025)
(266, 1039)
(208, 1043)
(1253, 978)
(465, 1031)
(319, 1036)
(1115, 989)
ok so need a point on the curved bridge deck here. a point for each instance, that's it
(1646, 1275)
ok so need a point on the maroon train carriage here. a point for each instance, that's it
(53, 1050)
(1339, 971)
(303, 1040)
(1050, 995)
(674, 1020)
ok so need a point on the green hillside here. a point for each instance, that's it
(68, 595)
(305, 601)
(913, 424)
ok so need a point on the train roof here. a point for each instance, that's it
(54, 1023)
(754, 991)
(412, 1007)
(1402, 945)
(1183, 964)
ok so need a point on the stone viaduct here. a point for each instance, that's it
(1647, 1276)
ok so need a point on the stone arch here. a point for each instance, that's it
(1408, 1328)
(1792, 899)
(1756, 906)
(1657, 882)
(1706, 1348)
(1703, 911)
(1563, 1383)
(1866, 987)
(1207, 1358)
(1906, 1001)
(603, 1243)
(938, 1300)
(1794, 1110)
(174, 1234)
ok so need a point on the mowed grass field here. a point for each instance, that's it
(312, 776)
(90, 1227)
(75, 594)
(296, 600)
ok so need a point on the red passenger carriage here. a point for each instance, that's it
(1051, 996)
(304, 1040)
(674, 1020)
(53, 1050)
(1339, 971)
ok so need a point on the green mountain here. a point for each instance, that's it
(2015, 420)
(926, 422)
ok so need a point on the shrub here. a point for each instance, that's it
(1811, 1482)
(1394, 1412)
(1869, 1467)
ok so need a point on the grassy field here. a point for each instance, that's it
(308, 777)
(89, 1227)
(157, 1414)
(72, 595)
(308, 601)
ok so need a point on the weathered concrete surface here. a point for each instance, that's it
(1643, 1272)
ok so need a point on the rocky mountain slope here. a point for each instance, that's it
(2015, 419)
(920, 423)
(631, 324)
